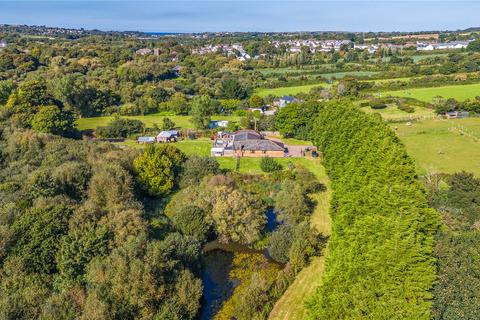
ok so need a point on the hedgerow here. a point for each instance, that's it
(380, 263)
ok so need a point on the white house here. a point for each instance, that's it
(3, 44)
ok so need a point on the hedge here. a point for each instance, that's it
(380, 263)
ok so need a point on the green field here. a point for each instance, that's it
(438, 145)
(458, 92)
(419, 57)
(340, 75)
(393, 113)
(282, 91)
(149, 120)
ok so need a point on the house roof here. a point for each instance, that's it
(167, 134)
(146, 139)
(288, 98)
(258, 145)
(243, 135)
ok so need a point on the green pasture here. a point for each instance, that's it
(458, 92)
(149, 120)
(282, 91)
(419, 57)
(340, 75)
(437, 145)
(391, 112)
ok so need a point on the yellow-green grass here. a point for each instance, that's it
(149, 120)
(392, 112)
(438, 146)
(458, 92)
(292, 304)
(282, 91)
(252, 165)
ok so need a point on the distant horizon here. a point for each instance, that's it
(225, 31)
(245, 16)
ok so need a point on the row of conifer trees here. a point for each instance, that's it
(379, 262)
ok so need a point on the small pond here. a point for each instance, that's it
(217, 263)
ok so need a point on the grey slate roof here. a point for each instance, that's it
(258, 145)
(243, 135)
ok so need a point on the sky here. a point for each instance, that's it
(246, 15)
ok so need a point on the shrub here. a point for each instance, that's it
(51, 119)
(120, 128)
(406, 108)
(191, 222)
(195, 168)
(158, 167)
(270, 165)
(279, 244)
(167, 124)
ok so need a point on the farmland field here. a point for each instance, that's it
(439, 146)
(288, 90)
(149, 120)
(459, 92)
(393, 113)
(339, 75)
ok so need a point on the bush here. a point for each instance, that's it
(191, 222)
(158, 167)
(279, 244)
(167, 124)
(120, 128)
(195, 168)
(51, 119)
(406, 108)
(270, 165)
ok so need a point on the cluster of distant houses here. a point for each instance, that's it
(231, 50)
(156, 52)
(313, 45)
(430, 46)
(246, 143)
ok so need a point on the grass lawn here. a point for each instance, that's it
(435, 147)
(202, 147)
(458, 92)
(282, 91)
(292, 304)
(393, 113)
(149, 120)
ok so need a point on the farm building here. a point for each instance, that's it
(457, 114)
(168, 136)
(146, 140)
(218, 124)
(247, 143)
